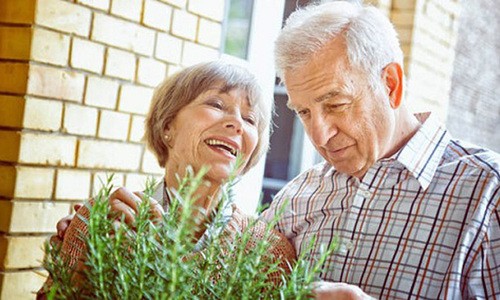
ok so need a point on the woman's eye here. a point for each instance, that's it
(216, 104)
(250, 120)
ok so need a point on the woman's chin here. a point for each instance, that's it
(218, 175)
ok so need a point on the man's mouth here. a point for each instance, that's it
(222, 145)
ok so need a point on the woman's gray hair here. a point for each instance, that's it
(180, 89)
(371, 40)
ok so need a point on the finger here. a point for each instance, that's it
(119, 208)
(63, 224)
(155, 206)
(127, 197)
(77, 207)
(55, 241)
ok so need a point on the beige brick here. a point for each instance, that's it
(87, 55)
(129, 9)
(80, 120)
(47, 149)
(136, 182)
(168, 48)
(135, 99)
(211, 9)
(55, 83)
(7, 181)
(17, 12)
(99, 4)
(178, 3)
(20, 285)
(113, 125)
(34, 183)
(120, 64)
(50, 47)
(403, 4)
(157, 15)
(109, 155)
(209, 33)
(34, 217)
(21, 251)
(137, 129)
(11, 111)
(402, 18)
(42, 114)
(151, 72)
(73, 185)
(150, 164)
(194, 53)
(13, 77)
(172, 69)
(101, 92)
(16, 42)
(123, 34)
(184, 24)
(63, 16)
(100, 179)
(404, 34)
(13, 139)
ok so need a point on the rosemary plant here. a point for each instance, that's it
(156, 259)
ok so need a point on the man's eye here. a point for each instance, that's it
(302, 113)
(337, 107)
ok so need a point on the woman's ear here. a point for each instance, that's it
(167, 136)
(393, 80)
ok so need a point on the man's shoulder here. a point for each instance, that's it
(474, 156)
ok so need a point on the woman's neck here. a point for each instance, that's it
(206, 199)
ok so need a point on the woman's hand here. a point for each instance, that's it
(124, 202)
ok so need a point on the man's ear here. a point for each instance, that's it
(392, 76)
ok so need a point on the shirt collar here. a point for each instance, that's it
(423, 152)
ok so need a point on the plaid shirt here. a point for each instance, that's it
(424, 223)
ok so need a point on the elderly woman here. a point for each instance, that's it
(205, 115)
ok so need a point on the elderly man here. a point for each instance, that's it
(417, 212)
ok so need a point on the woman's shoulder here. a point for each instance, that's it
(259, 229)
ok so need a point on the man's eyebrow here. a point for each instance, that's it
(326, 96)
(319, 99)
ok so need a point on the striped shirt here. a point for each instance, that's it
(422, 224)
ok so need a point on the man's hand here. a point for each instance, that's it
(324, 290)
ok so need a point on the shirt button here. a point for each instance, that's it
(364, 193)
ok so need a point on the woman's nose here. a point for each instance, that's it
(234, 122)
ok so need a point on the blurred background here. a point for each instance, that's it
(76, 79)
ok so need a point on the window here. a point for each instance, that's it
(237, 28)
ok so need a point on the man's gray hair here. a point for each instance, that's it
(371, 40)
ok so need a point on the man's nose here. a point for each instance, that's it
(321, 130)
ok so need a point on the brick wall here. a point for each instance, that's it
(76, 78)
(474, 112)
(428, 30)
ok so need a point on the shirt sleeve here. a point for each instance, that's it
(484, 278)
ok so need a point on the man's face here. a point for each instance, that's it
(350, 125)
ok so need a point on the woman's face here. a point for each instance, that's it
(211, 131)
